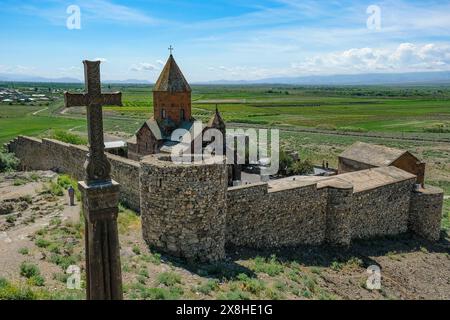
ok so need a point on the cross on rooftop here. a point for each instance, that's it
(171, 49)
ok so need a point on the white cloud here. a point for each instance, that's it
(143, 66)
(69, 69)
(407, 57)
(240, 72)
(18, 69)
(102, 60)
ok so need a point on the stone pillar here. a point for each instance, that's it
(183, 207)
(339, 213)
(425, 212)
(103, 269)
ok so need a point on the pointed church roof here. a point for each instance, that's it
(171, 78)
(216, 120)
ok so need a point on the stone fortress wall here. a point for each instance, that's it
(188, 211)
(47, 154)
(184, 207)
(331, 210)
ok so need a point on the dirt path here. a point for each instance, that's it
(39, 111)
(37, 215)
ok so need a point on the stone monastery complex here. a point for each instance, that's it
(190, 211)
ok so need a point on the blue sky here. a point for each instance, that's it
(224, 39)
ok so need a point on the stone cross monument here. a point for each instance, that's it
(100, 194)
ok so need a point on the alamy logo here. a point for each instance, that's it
(74, 280)
(374, 280)
(374, 20)
(242, 146)
(73, 22)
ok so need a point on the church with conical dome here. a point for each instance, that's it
(172, 109)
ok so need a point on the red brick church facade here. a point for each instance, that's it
(171, 110)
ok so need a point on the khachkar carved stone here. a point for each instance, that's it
(97, 166)
(100, 194)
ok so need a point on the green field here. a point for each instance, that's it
(417, 111)
(398, 110)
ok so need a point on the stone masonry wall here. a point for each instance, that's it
(339, 213)
(257, 217)
(46, 154)
(188, 211)
(426, 212)
(334, 213)
(381, 211)
(183, 208)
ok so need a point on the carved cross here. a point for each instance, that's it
(98, 168)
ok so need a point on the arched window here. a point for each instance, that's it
(163, 113)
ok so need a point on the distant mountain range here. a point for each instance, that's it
(354, 79)
(25, 78)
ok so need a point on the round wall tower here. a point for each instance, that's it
(183, 207)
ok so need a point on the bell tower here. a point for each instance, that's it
(172, 95)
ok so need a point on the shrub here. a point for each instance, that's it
(438, 128)
(29, 270)
(56, 190)
(352, 129)
(55, 222)
(285, 163)
(24, 251)
(336, 266)
(234, 295)
(11, 219)
(169, 278)
(54, 248)
(269, 266)
(11, 292)
(208, 287)
(68, 137)
(326, 126)
(61, 277)
(8, 162)
(162, 293)
(27, 198)
(152, 258)
(136, 250)
(63, 261)
(309, 283)
(253, 286)
(19, 182)
(301, 168)
(65, 181)
(127, 220)
(141, 279)
(144, 272)
(42, 243)
(37, 281)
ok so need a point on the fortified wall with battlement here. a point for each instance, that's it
(188, 211)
